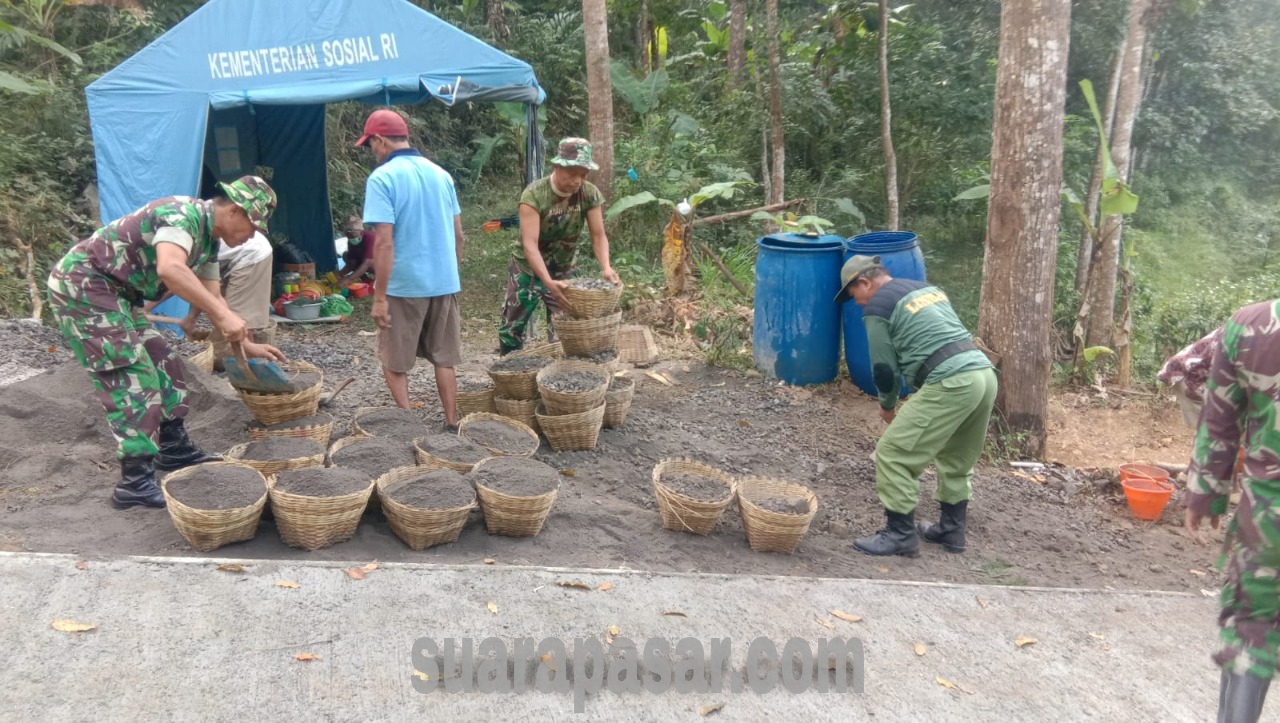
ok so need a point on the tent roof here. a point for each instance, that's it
(316, 51)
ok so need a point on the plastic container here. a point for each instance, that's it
(360, 290)
(1146, 488)
(796, 334)
(303, 310)
(899, 252)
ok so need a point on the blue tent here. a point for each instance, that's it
(243, 83)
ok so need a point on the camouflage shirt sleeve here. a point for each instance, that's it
(174, 235)
(591, 196)
(209, 271)
(1210, 475)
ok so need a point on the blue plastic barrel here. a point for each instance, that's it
(796, 336)
(899, 252)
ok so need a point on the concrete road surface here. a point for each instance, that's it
(178, 639)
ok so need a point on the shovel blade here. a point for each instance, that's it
(260, 375)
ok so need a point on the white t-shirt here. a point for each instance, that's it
(245, 255)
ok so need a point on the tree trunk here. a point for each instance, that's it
(595, 27)
(886, 125)
(1102, 303)
(644, 34)
(1016, 315)
(737, 41)
(766, 178)
(777, 185)
(496, 19)
(1085, 253)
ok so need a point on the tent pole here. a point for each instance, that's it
(533, 145)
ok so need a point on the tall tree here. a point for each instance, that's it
(1085, 252)
(595, 27)
(778, 136)
(1106, 260)
(886, 124)
(1016, 315)
(737, 41)
(496, 19)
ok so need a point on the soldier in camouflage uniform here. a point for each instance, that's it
(1240, 401)
(97, 291)
(553, 211)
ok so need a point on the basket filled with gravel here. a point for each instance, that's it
(426, 507)
(315, 507)
(585, 337)
(521, 410)
(515, 377)
(449, 451)
(550, 350)
(475, 394)
(373, 456)
(571, 387)
(775, 514)
(516, 494)
(607, 359)
(617, 400)
(302, 400)
(592, 298)
(572, 432)
(692, 496)
(276, 454)
(502, 436)
(215, 503)
(317, 426)
(394, 422)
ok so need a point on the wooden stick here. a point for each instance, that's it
(725, 270)
(736, 215)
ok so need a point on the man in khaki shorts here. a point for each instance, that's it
(413, 208)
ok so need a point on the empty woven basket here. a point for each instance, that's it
(681, 512)
(570, 432)
(618, 402)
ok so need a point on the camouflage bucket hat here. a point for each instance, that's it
(575, 152)
(252, 194)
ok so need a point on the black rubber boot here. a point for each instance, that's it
(897, 538)
(949, 530)
(137, 484)
(1240, 698)
(177, 450)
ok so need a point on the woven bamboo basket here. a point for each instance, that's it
(554, 350)
(270, 468)
(318, 432)
(276, 408)
(313, 523)
(611, 365)
(584, 337)
(592, 303)
(636, 346)
(207, 530)
(572, 432)
(515, 424)
(681, 512)
(513, 516)
(769, 531)
(420, 528)
(618, 402)
(431, 461)
(558, 403)
(357, 430)
(521, 410)
(515, 385)
(203, 360)
(482, 401)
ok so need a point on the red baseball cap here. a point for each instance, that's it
(383, 122)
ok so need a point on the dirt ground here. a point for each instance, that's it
(1071, 530)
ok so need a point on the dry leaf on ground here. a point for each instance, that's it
(1024, 641)
(231, 568)
(1201, 573)
(981, 602)
(614, 630)
(82, 565)
(744, 423)
(605, 587)
(569, 472)
(707, 710)
(658, 378)
(489, 561)
(287, 583)
(951, 686)
(71, 626)
(675, 613)
(359, 573)
(919, 648)
(824, 622)
(304, 657)
(1097, 636)
(847, 617)
(421, 675)
(574, 584)
(493, 607)
(882, 568)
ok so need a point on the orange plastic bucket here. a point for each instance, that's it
(1146, 488)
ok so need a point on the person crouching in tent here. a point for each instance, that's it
(97, 293)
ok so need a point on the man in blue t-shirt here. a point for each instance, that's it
(413, 208)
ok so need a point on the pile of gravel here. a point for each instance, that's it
(521, 364)
(281, 449)
(517, 476)
(576, 382)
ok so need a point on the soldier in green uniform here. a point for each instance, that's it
(913, 331)
(97, 293)
(553, 211)
(1240, 402)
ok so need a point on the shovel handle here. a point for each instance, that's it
(329, 399)
(238, 350)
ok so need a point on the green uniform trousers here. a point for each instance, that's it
(944, 422)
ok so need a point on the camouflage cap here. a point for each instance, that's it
(575, 152)
(853, 268)
(252, 194)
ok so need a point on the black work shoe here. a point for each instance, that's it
(137, 484)
(949, 530)
(897, 538)
(1240, 698)
(177, 450)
